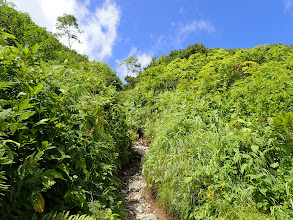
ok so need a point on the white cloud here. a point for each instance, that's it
(99, 25)
(196, 26)
(173, 23)
(180, 32)
(288, 4)
(144, 58)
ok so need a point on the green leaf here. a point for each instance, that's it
(44, 69)
(187, 179)
(64, 168)
(231, 123)
(14, 142)
(59, 125)
(35, 48)
(284, 147)
(254, 148)
(47, 146)
(43, 121)
(24, 104)
(26, 116)
(243, 167)
(2, 134)
(7, 35)
(37, 88)
(263, 191)
(274, 165)
(5, 85)
(13, 128)
(241, 120)
(52, 174)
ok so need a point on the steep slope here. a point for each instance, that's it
(63, 136)
(221, 130)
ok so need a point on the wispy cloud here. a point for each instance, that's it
(195, 26)
(99, 25)
(144, 58)
(183, 30)
(288, 4)
(180, 31)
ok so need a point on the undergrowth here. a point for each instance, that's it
(220, 126)
(63, 137)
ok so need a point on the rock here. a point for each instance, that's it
(138, 209)
(140, 151)
(147, 217)
(137, 198)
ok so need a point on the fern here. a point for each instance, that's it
(66, 216)
(3, 186)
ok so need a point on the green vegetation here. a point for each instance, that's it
(28, 33)
(63, 135)
(220, 125)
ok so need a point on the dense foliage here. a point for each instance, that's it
(63, 135)
(220, 125)
(183, 53)
(28, 33)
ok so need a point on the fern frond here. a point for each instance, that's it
(66, 216)
(3, 186)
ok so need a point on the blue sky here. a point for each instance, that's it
(114, 30)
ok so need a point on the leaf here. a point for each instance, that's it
(43, 121)
(59, 125)
(26, 116)
(254, 148)
(35, 48)
(263, 191)
(21, 93)
(47, 146)
(52, 174)
(2, 134)
(14, 142)
(24, 104)
(274, 165)
(38, 202)
(231, 123)
(187, 179)
(13, 128)
(241, 120)
(64, 168)
(243, 167)
(37, 88)
(5, 85)
(44, 69)
(284, 147)
(7, 35)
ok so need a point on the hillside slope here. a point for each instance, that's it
(63, 135)
(220, 125)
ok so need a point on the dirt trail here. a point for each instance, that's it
(140, 204)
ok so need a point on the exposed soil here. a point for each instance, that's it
(140, 203)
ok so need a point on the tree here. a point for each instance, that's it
(132, 65)
(68, 27)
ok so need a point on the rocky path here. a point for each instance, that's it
(140, 204)
(134, 187)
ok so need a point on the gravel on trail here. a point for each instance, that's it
(139, 203)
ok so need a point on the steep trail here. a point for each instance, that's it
(139, 203)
